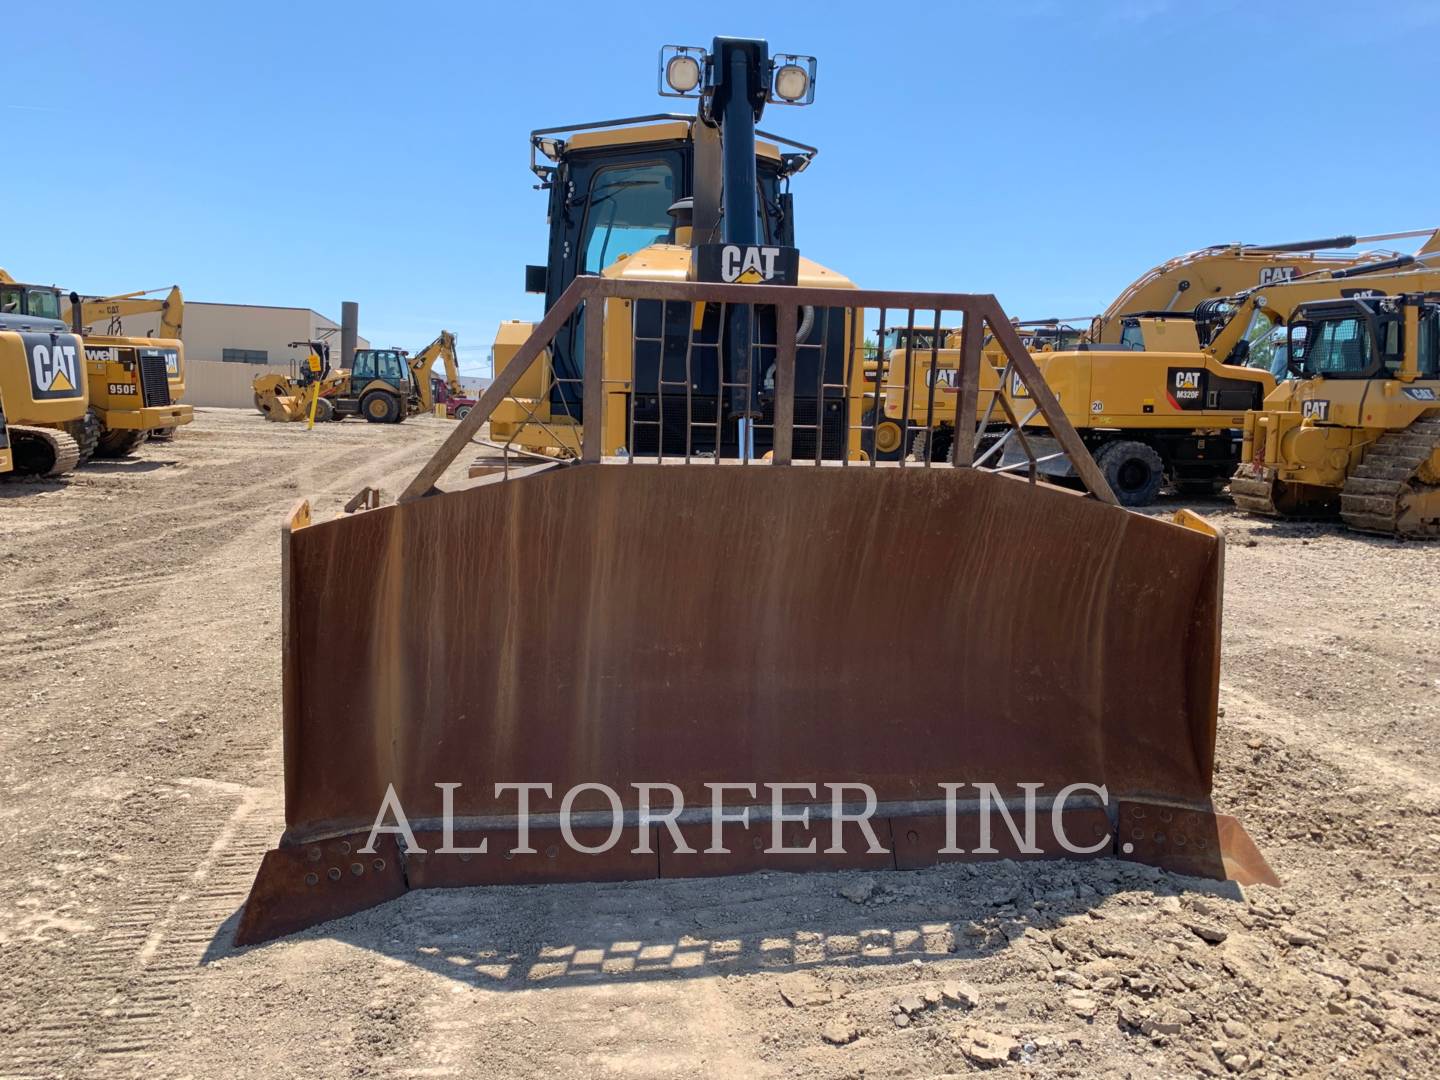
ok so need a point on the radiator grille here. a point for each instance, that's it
(154, 380)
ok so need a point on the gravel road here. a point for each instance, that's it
(140, 762)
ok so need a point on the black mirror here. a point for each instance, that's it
(787, 220)
(537, 279)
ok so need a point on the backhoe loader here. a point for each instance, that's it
(383, 385)
(85, 318)
(714, 641)
(42, 381)
(1355, 430)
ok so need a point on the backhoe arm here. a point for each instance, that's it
(442, 348)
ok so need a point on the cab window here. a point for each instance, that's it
(628, 209)
(1429, 345)
(11, 297)
(42, 303)
(1338, 347)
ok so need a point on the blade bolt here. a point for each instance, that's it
(334, 873)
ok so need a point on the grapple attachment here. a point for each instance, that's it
(726, 665)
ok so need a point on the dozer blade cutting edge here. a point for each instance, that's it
(615, 622)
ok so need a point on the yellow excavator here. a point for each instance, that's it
(1355, 429)
(1222, 270)
(713, 641)
(1169, 291)
(88, 313)
(42, 381)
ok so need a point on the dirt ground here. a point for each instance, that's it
(140, 779)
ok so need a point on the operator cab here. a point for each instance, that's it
(1359, 338)
(387, 365)
(30, 307)
(612, 186)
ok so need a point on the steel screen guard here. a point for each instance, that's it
(640, 665)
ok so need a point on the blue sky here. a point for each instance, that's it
(1045, 151)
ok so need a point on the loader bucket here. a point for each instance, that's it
(875, 664)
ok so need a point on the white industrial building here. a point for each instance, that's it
(245, 333)
(254, 338)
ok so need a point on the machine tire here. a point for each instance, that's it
(324, 411)
(867, 438)
(379, 407)
(1133, 470)
(462, 412)
(117, 443)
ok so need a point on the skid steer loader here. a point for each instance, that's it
(1356, 431)
(708, 644)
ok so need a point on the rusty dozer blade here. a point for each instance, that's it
(920, 631)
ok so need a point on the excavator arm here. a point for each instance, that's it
(1216, 272)
(92, 309)
(442, 348)
(1251, 314)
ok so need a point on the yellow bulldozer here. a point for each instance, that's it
(122, 428)
(43, 381)
(1355, 430)
(713, 640)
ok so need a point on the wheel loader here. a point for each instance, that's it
(1355, 431)
(712, 640)
(85, 315)
(43, 381)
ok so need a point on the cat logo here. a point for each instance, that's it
(54, 365)
(1315, 410)
(1276, 275)
(1419, 393)
(747, 264)
(948, 378)
(172, 364)
(1017, 386)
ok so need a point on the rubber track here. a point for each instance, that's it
(1375, 495)
(65, 449)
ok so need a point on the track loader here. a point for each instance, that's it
(713, 641)
(42, 381)
(1355, 431)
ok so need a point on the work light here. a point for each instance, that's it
(682, 69)
(792, 80)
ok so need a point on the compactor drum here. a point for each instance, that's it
(756, 655)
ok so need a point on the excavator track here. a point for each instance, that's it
(1396, 490)
(43, 452)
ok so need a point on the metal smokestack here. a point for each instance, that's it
(349, 331)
